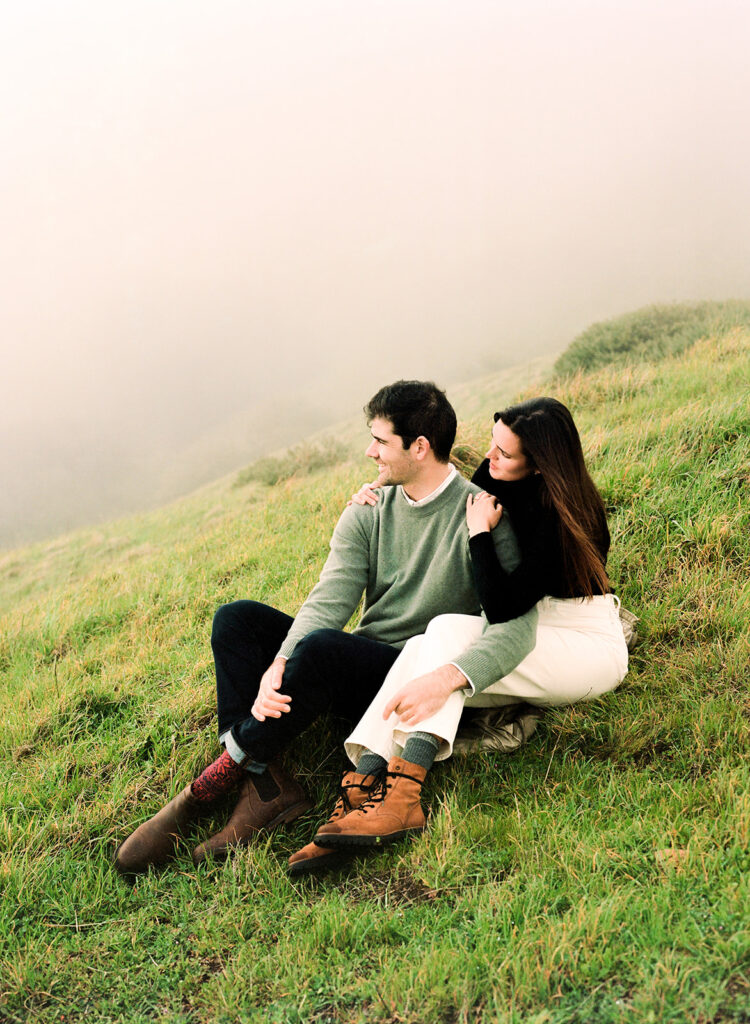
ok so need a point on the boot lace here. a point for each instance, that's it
(373, 788)
(381, 790)
(378, 792)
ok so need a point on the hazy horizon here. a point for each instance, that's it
(226, 225)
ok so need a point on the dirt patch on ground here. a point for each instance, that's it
(392, 890)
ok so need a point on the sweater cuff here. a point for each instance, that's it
(287, 648)
(479, 669)
(499, 650)
(467, 691)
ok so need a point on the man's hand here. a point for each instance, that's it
(270, 703)
(483, 513)
(424, 696)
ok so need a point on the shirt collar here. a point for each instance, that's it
(436, 493)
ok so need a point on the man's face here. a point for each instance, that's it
(396, 465)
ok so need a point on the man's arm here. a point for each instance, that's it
(330, 604)
(499, 649)
(334, 598)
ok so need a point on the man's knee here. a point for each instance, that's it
(333, 652)
(317, 642)
(233, 617)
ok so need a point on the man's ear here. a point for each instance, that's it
(420, 448)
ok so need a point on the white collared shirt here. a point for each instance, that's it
(438, 490)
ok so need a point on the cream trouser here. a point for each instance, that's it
(580, 653)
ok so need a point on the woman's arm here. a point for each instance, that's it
(366, 495)
(504, 595)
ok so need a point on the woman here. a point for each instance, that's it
(535, 472)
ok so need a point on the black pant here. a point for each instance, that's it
(329, 670)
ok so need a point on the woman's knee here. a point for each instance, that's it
(463, 627)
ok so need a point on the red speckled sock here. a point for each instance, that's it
(217, 779)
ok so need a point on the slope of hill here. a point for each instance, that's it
(600, 874)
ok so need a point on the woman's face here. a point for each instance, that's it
(507, 461)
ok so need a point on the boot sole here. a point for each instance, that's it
(342, 839)
(285, 818)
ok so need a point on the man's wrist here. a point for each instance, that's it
(454, 677)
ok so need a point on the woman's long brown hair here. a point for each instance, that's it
(549, 440)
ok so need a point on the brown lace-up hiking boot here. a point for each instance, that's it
(155, 841)
(266, 801)
(391, 814)
(353, 792)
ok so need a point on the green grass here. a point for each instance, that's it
(651, 333)
(301, 460)
(598, 875)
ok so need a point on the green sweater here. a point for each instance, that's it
(413, 563)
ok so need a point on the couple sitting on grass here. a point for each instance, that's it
(516, 608)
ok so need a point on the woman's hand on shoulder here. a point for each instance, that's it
(483, 513)
(366, 495)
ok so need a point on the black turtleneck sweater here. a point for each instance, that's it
(506, 595)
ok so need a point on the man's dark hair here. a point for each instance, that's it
(416, 408)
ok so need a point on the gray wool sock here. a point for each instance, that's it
(371, 764)
(421, 748)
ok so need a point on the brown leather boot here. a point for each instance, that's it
(353, 792)
(155, 841)
(265, 802)
(383, 819)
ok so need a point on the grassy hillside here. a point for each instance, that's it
(650, 333)
(598, 875)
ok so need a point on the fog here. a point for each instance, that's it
(225, 225)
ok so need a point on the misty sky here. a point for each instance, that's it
(225, 223)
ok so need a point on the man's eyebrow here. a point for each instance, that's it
(375, 437)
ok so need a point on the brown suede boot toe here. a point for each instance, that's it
(353, 791)
(312, 858)
(155, 841)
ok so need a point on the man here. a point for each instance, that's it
(275, 675)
